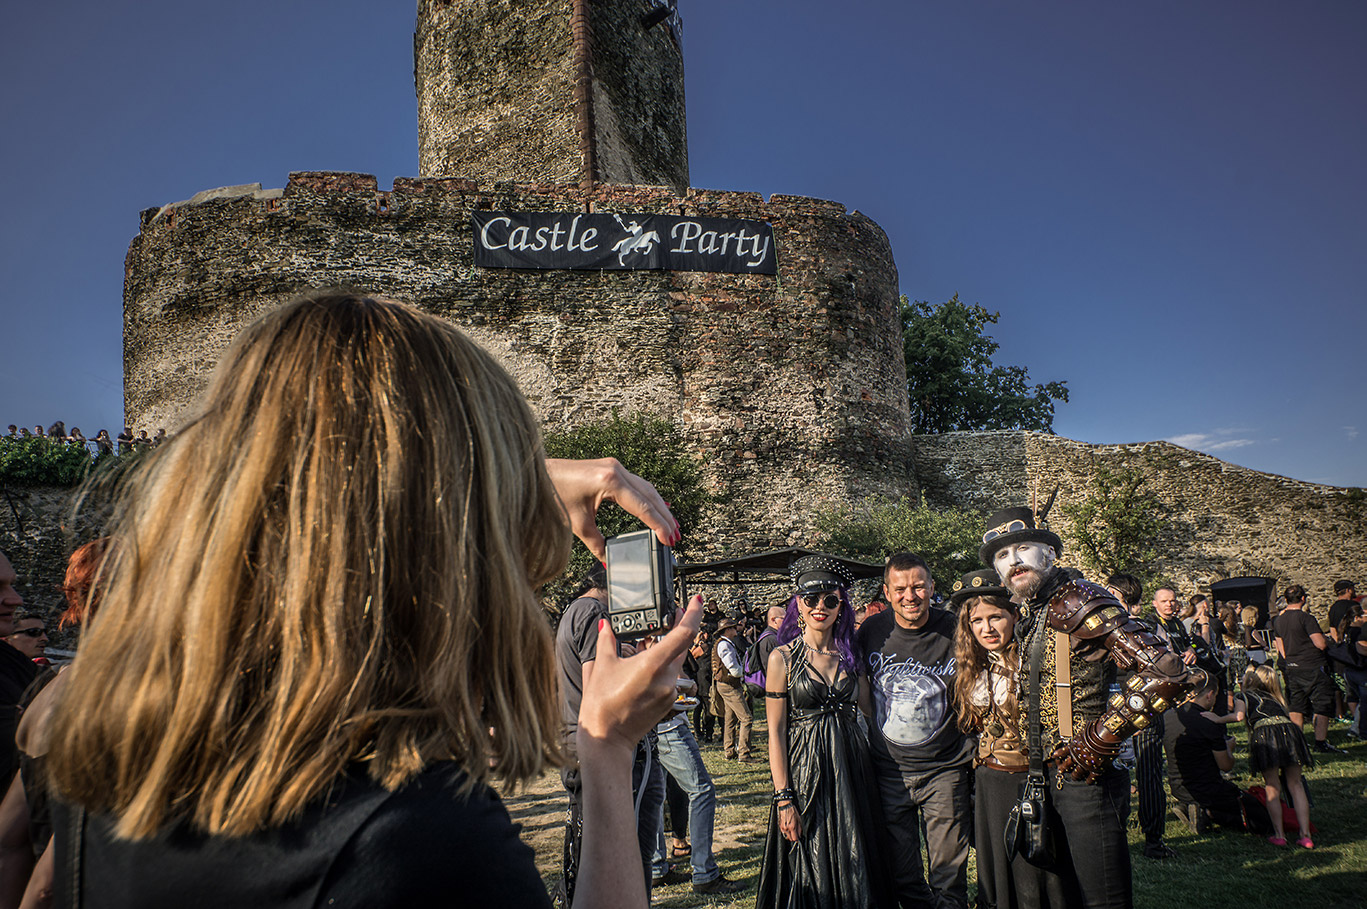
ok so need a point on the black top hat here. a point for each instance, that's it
(1014, 525)
(816, 572)
(981, 583)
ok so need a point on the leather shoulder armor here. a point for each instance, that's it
(1085, 610)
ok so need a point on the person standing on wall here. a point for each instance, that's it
(923, 762)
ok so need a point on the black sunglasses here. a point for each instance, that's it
(829, 600)
(31, 632)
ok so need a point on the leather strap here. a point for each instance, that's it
(1036, 735)
(1063, 684)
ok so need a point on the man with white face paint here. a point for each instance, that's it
(1077, 633)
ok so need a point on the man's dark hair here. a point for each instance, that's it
(904, 561)
(597, 576)
(1130, 588)
(1196, 598)
(1294, 594)
(1342, 587)
(1203, 683)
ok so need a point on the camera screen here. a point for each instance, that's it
(629, 581)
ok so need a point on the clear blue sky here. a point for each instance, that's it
(1167, 201)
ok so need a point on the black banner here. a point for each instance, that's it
(617, 242)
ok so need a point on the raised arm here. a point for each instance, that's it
(585, 485)
(1094, 618)
(623, 699)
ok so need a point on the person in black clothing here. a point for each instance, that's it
(355, 644)
(922, 760)
(16, 673)
(1301, 644)
(1080, 727)
(1198, 750)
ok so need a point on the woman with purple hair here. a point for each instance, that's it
(821, 847)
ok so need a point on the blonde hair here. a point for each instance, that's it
(1264, 678)
(335, 561)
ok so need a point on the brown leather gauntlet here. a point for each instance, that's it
(1090, 614)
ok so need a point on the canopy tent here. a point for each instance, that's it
(1250, 591)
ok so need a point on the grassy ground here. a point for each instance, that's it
(1216, 870)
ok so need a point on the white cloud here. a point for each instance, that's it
(1218, 440)
(1352, 431)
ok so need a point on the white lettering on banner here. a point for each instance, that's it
(484, 233)
(522, 238)
(685, 233)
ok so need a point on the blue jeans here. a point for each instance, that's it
(678, 753)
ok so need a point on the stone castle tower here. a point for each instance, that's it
(790, 386)
(583, 92)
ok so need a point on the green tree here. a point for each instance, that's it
(952, 382)
(946, 538)
(649, 447)
(1116, 526)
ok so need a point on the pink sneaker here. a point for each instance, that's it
(1305, 843)
(1277, 840)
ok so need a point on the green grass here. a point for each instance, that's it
(1216, 870)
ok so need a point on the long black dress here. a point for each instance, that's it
(835, 864)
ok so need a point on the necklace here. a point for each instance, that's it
(819, 650)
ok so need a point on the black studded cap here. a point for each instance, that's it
(820, 572)
(981, 583)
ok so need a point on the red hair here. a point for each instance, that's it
(78, 586)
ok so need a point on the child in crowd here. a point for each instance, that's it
(1276, 747)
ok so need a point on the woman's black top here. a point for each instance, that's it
(361, 846)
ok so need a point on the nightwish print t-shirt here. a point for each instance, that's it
(911, 674)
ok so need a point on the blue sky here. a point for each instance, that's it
(1166, 201)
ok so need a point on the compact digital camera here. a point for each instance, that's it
(643, 585)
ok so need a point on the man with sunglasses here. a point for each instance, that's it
(922, 760)
(16, 672)
(1072, 636)
(29, 638)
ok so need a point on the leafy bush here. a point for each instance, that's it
(649, 447)
(946, 538)
(43, 462)
(1116, 526)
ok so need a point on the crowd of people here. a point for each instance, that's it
(1018, 718)
(312, 661)
(98, 444)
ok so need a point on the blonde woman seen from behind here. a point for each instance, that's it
(1276, 748)
(313, 657)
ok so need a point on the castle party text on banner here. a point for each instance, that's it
(614, 241)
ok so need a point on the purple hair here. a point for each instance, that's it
(843, 633)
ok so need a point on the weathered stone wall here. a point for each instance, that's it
(1224, 520)
(38, 532)
(791, 388)
(495, 85)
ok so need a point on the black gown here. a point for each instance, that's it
(835, 864)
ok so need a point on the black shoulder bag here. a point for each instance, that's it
(1027, 827)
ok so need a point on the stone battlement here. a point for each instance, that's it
(790, 387)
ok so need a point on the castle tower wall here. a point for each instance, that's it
(790, 387)
(497, 100)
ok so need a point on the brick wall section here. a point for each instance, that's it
(495, 86)
(790, 387)
(38, 532)
(1225, 520)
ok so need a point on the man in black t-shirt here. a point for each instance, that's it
(1197, 750)
(1301, 645)
(922, 760)
(1344, 607)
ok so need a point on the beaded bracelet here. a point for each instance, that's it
(789, 794)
